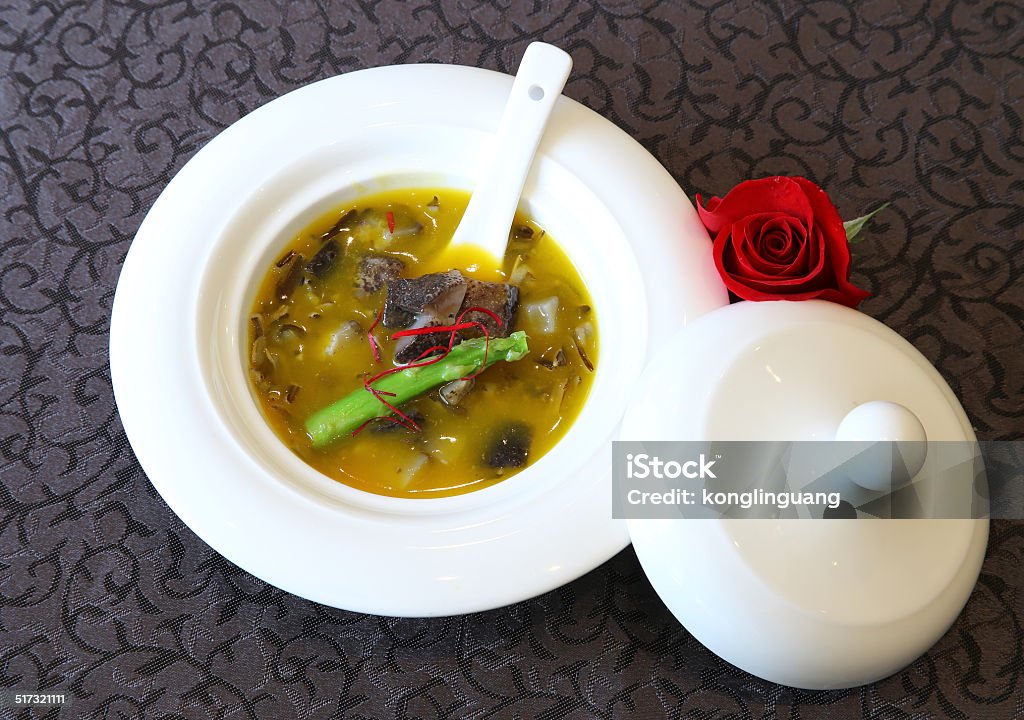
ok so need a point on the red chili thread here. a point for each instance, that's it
(433, 329)
(405, 421)
(487, 336)
(391, 222)
(373, 340)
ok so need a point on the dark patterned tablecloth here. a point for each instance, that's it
(106, 596)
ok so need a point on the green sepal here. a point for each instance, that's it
(854, 227)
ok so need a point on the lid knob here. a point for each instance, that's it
(884, 421)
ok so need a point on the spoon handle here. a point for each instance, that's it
(537, 86)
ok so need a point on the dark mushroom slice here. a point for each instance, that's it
(580, 337)
(346, 223)
(501, 299)
(376, 271)
(386, 425)
(255, 326)
(291, 275)
(509, 446)
(258, 353)
(280, 312)
(583, 354)
(288, 332)
(551, 360)
(325, 260)
(455, 392)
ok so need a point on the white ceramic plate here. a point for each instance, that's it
(178, 339)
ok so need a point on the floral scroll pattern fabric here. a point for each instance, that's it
(106, 595)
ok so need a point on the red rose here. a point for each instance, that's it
(780, 238)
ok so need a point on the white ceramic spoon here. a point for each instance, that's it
(538, 83)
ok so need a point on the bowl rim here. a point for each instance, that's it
(224, 365)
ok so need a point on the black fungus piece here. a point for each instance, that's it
(325, 260)
(558, 359)
(578, 337)
(390, 424)
(289, 278)
(258, 355)
(376, 271)
(509, 446)
(501, 299)
(346, 223)
(256, 326)
(286, 332)
(523, 232)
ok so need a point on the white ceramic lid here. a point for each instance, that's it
(812, 604)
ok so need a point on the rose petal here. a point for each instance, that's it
(817, 279)
(825, 214)
(776, 194)
(777, 242)
(747, 261)
(712, 203)
(836, 246)
(749, 236)
(776, 247)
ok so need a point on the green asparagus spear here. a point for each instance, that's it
(342, 417)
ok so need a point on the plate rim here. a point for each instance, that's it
(546, 568)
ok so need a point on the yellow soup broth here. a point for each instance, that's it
(308, 347)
